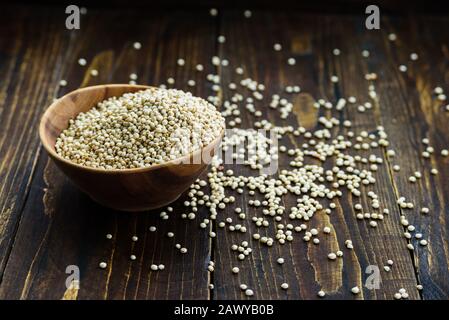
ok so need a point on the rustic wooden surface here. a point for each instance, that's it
(46, 224)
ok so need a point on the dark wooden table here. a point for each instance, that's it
(46, 224)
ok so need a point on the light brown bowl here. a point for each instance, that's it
(129, 189)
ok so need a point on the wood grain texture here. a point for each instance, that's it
(25, 90)
(47, 223)
(409, 109)
(307, 269)
(386, 241)
(250, 45)
(53, 234)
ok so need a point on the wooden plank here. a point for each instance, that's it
(411, 111)
(61, 226)
(386, 241)
(250, 45)
(27, 54)
(310, 39)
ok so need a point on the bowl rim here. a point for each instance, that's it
(55, 155)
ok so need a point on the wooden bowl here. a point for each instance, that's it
(127, 189)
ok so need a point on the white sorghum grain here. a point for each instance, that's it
(438, 90)
(349, 244)
(280, 260)
(235, 270)
(284, 286)
(392, 37)
(181, 62)
(321, 293)
(332, 256)
(154, 267)
(140, 129)
(247, 13)
(63, 83)
(109, 236)
(82, 61)
(132, 257)
(103, 265)
(94, 72)
(137, 45)
(413, 56)
(221, 39)
(213, 12)
(249, 292)
(355, 290)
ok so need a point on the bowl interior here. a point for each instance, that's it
(56, 117)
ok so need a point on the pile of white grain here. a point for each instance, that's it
(140, 129)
